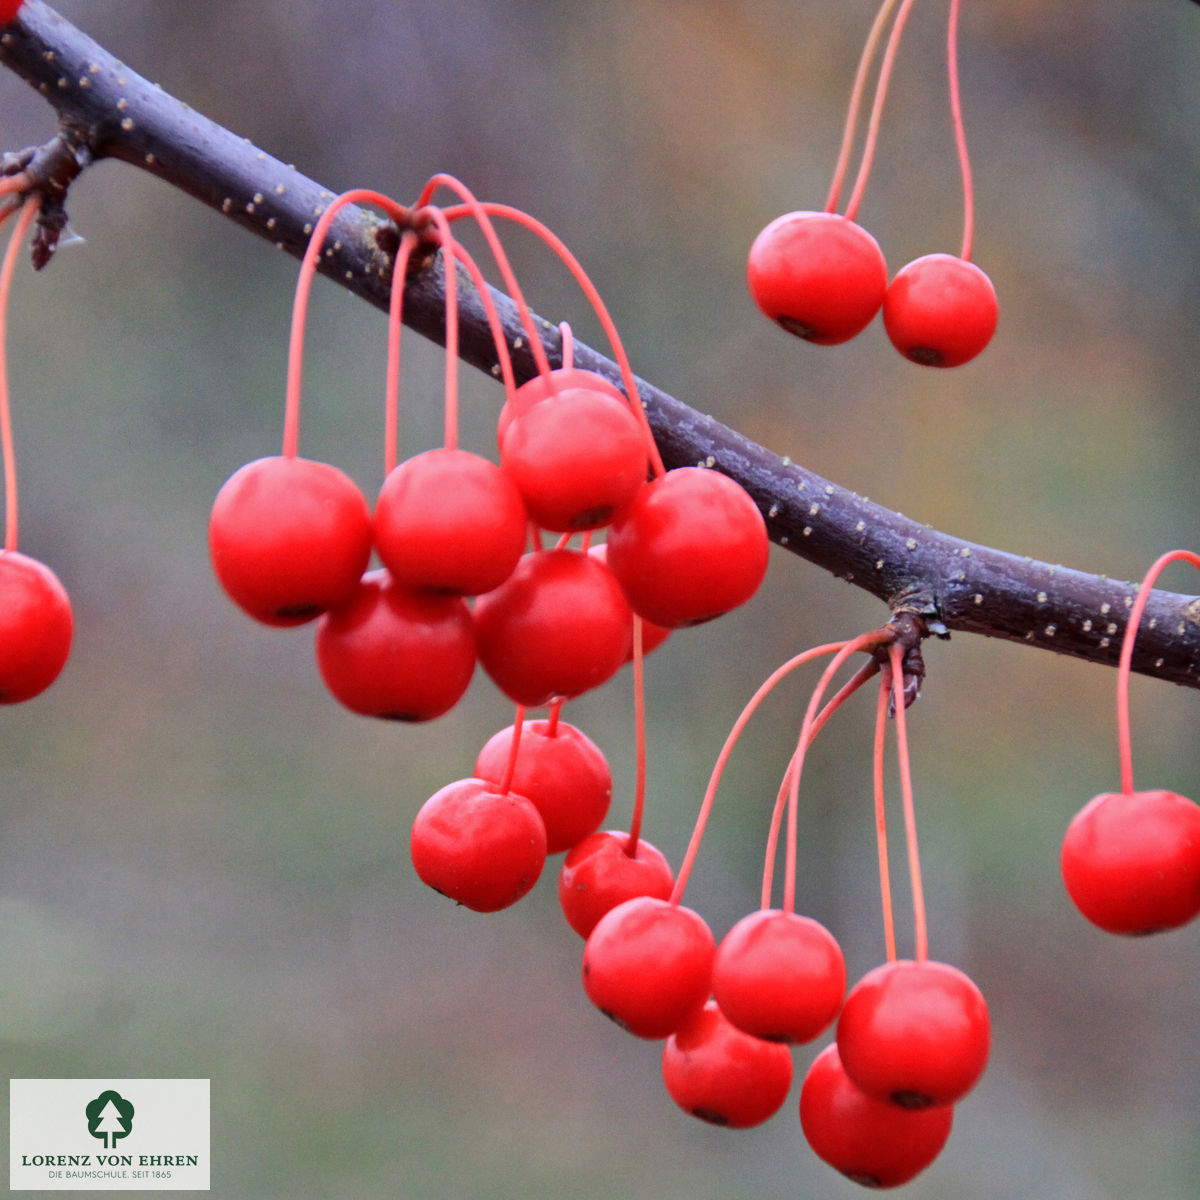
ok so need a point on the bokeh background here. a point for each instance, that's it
(203, 860)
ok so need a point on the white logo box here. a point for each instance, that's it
(56, 1145)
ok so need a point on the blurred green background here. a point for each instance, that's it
(203, 860)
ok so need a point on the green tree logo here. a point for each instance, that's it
(109, 1116)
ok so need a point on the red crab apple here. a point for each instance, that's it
(819, 275)
(36, 627)
(1131, 861)
(289, 538)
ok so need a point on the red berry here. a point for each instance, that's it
(481, 847)
(577, 458)
(1131, 862)
(872, 1142)
(388, 652)
(724, 1076)
(653, 635)
(779, 976)
(914, 1033)
(558, 626)
(560, 770)
(9, 10)
(599, 873)
(541, 387)
(690, 547)
(940, 310)
(36, 627)
(289, 538)
(647, 965)
(449, 521)
(818, 274)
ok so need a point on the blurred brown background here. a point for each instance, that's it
(203, 861)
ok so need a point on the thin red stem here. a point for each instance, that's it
(308, 268)
(451, 252)
(556, 244)
(960, 137)
(896, 654)
(1124, 740)
(391, 420)
(847, 690)
(639, 740)
(881, 87)
(12, 184)
(885, 874)
(479, 211)
(28, 212)
(710, 793)
(856, 95)
(568, 345)
(514, 749)
(864, 642)
(739, 725)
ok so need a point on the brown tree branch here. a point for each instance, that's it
(105, 110)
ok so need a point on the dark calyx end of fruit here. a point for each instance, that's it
(867, 1181)
(593, 518)
(913, 1101)
(710, 1115)
(299, 612)
(800, 328)
(927, 356)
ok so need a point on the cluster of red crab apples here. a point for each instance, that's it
(460, 582)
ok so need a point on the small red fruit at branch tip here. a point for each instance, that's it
(599, 873)
(714, 1071)
(779, 976)
(916, 1034)
(481, 847)
(449, 521)
(872, 1142)
(289, 538)
(1131, 861)
(819, 275)
(36, 627)
(647, 966)
(388, 652)
(560, 770)
(940, 310)
(692, 546)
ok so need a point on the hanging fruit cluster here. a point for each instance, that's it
(823, 277)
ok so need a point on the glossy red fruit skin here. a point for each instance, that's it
(779, 976)
(388, 652)
(691, 547)
(557, 627)
(9, 10)
(916, 1034)
(449, 521)
(723, 1076)
(599, 873)
(653, 635)
(1131, 862)
(940, 310)
(480, 847)
(818, 275)
(560, 770)
(647, 965)
(540, 387)
(872, 1142)
(289, 538)
(577, 458)
(36, 627)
